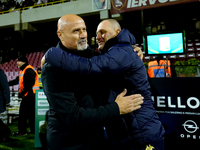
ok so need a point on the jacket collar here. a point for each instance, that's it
(124, 37)
(109, 44)
(87, 53)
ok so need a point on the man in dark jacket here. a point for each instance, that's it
(4, 100)
(123, 69)
(72, 117)
(28, 84)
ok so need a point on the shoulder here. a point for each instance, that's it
(120, 50)
(2, 73)
(49, 68)
(30, 71)
(55, 78)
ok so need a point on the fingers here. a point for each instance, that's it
(135, 96)
(141, 56)
(130, 103)
(134, 46)
(136, 107)
(137, 102)
(43, 61)
(136, 50)
(123, 93)
(139, 51)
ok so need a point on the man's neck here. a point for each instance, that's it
(23, 66)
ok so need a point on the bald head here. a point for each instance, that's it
(106, 30)
(67, 20)
(72, 32)
(114, 24)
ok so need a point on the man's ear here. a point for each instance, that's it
(59, 33)
(118, 30)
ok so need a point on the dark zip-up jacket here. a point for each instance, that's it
(4, 91)
(72, 116)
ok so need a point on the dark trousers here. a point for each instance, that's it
(4, 130)
(27, 113)
(43, 140)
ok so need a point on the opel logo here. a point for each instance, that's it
(190, 126)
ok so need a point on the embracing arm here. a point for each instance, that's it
(67, 109)
(74, 116)
(114, 61)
